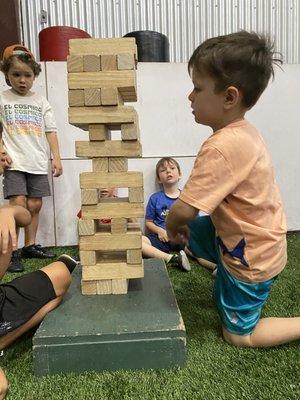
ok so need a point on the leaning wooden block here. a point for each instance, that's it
(92, 180)
(91, 62)
(126, 61)
(87, 257)
(108, 147)
(75, 63)
(108, 62)
(107, 242)
(88, 287)
(109, 96)
(118, 225)
(100, 164)
(86, 227)
(136, 194)
(119, 286)
(98, 132)
(104, 286)
(89, 196)
(116, 209)
(92, 97)
(134, 256)
(76, 98)
(117, 164)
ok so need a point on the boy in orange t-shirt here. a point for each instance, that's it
(233, 181)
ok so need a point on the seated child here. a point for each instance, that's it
(156, 242)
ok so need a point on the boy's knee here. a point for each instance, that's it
(59, 276)
(34, 205)
(237, 340)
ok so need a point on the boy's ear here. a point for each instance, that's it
(232, 97)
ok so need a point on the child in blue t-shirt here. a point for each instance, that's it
(156, 243)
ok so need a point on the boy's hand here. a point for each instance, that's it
(180, 235)
(57, 168)
(7, 229)
(162, 235)
(5, 159)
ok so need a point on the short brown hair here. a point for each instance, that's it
(166, 160)
(242, 59)
(25, 56)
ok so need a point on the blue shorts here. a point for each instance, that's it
(166, 247)
(239, 303)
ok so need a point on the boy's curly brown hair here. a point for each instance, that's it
(6, 64)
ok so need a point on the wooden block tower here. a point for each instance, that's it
(101, 76)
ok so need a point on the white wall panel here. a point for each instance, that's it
(186, 23)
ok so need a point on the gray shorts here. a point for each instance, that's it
(19, 183)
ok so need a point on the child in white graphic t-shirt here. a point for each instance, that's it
(28, 126)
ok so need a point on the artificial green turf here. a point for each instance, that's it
(214, 369)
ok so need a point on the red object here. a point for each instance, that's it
(54, 42)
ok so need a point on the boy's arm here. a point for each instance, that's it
(160, 232)
(3, 384)
(179, 216)
(10, 217)
(57, 169)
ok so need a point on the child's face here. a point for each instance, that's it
(21, 77)
(168, 174)
(107, 192)
(207, 106)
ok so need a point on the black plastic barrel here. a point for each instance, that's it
(152, 46)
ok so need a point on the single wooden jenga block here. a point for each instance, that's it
(91, 62)
(100, 164)
(104, 241)
(92, 97)
(88, 287)
(76, 98)
(119, 286)
(125, 61)
(104, 286)
(115, 209)
(87, 257)
(89, 196)
(93, 180)
(75, 63)
(136, 194)
(134, 256)
(117, 164)
(109, 96)
(118, 225)
(130, 131)
(98, 132)
(106, 148)
(109, 62)
(86, 227)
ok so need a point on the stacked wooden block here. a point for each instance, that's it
(101, 76)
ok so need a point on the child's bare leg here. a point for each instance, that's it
(61, 279)
(34, 205)
(268, 332)
(150, 251)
